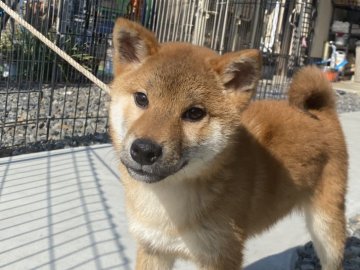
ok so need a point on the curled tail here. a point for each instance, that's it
(311, 90)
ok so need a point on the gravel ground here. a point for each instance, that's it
(75, 116)
(347, 101)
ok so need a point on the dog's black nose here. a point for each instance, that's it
(145, 152)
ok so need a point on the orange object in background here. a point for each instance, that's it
(331, 74)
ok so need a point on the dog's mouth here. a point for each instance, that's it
(144, 176)
(155, 175)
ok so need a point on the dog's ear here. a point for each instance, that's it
(239, 71)
(132, 44)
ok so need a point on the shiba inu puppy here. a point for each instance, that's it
(204, 169)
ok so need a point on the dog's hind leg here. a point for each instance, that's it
(325, 218)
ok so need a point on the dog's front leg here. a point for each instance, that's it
(149, 260)
(223, 263)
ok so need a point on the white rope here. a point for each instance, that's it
(55, 48)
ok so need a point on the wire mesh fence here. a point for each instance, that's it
(46, 104)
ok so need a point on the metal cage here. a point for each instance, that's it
(46, 104)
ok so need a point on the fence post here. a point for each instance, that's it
(54, 69)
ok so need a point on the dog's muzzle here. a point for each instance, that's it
(145, 162)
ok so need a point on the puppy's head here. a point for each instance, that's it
(174, 106)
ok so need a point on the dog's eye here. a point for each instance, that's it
(141, 100)
(194, 114)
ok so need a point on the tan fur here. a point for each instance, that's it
(233, 173)
(309, 90)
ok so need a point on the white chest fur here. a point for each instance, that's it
(164, 217)
(196, 242)
(159, 239)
